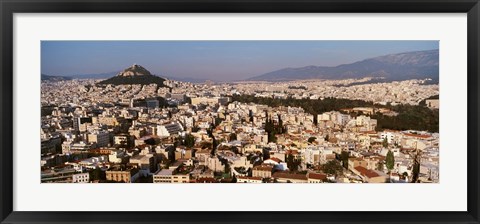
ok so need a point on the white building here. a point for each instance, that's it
(245, 179)
(101, 138)
(388, 135)
(81, 178)
(169, 129)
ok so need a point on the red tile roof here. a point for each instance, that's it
(290, 175)
(263, 167)
(249, 178)
(293, 152)
(366, 172)
(318, 176)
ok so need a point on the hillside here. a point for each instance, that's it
(134, 74)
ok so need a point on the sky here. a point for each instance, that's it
(213, 60)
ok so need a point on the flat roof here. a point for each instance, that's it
(164, 172)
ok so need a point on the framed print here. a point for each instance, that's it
(258, 111)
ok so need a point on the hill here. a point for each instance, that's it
(393, 67)
(134, 74)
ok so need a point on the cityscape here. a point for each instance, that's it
(357, 119)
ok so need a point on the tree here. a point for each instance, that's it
(344, 156)
(235, 150)
(227, 168)
(416, 167)
(214, 146)
(415, 172)
(280, 128)
(272, 137)
(195, 129)
(385, 142)
(270, 129)
(97, 174)
(233, 137)
(380, 166)
(269, 125)
(311, 139)
(178, 141)
(390, 160)
(327, 137)
(293, 163)
(189, 140)
(218, 121)
(333, 167)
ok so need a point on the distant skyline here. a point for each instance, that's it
(214, 60)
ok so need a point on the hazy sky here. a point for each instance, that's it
(215, 60)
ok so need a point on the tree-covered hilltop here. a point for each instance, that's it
(409, 117)
(132, 80)
(135, 74)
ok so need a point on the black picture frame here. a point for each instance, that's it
(9, 7)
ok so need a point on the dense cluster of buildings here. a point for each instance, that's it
(410, 92)
(193, 133)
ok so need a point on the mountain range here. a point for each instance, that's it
(392, 67)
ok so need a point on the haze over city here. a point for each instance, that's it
(213, 60)
(255, 112)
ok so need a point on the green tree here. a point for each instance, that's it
(415, 172)
(214, 145)
(416, 168)
(270, 129)
(344, 156)
(333, 167)
(227, 168)
(380, 166)
(233, 137)
(218, 121)
(97, 174)
(272, 137)
(293, 163)
(189, 140)
(280, 128)
(385, 142)
(195, 129)
(390, 160)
